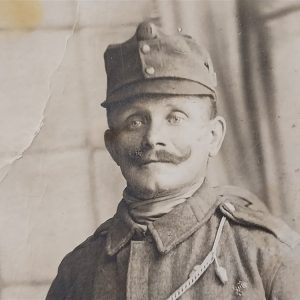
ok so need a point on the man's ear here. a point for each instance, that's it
(110, 144)
(218, 130)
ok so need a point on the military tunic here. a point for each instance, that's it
(259, 253)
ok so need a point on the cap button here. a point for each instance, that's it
(150, 70)
(146, 48)
(229, 206)
(146, 31)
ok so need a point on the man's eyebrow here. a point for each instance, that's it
(124, 114)
(176, 106)
(134, 109)
(133, 114)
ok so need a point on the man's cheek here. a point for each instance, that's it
(183, 147)
(123, 152)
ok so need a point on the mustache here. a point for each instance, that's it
(141, 156)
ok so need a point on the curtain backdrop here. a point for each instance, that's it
(57, 181)
(258, 92)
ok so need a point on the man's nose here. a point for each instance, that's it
(154, 136)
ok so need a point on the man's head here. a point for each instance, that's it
(161, 109)
(162, 143)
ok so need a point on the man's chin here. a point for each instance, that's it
(147, 188)
(154, 179)
(146, 193)
(153, 168)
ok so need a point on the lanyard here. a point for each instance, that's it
(198, 270)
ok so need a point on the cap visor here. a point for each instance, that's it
(158, 86)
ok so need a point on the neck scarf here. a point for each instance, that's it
(144, 212)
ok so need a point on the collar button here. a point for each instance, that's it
(150, 70)
(229, 206)
(145, 48)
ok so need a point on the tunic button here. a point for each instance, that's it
(150, 70)
(145, 48)
(146, 31)
(229, 206)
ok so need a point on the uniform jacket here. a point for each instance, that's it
(259, 252)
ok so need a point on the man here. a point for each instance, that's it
(173, 236)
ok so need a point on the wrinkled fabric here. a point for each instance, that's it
(120, 262)
(148, 210)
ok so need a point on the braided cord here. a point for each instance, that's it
(198, 270)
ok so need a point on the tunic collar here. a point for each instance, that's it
(170, 229)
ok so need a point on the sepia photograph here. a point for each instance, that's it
(149, 149)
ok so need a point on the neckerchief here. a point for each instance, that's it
(144, 212)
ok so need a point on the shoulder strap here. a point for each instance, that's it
(245, 208)
(100, 231)
(103, 228)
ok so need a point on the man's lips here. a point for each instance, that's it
(141, 157)
(152, 161)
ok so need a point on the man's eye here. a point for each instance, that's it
(134, 124)
(176, 119)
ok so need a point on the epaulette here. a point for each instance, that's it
(103, 228)
(100, 231)
(243, 207)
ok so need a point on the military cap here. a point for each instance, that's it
(153, 62)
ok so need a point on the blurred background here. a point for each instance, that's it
(57, 182)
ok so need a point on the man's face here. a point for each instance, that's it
(162, 144)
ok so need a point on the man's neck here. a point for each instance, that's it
(146, 211)
(164, 193)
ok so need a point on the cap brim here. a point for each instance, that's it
(158, 86)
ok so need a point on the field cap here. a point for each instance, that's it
(154, 63)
